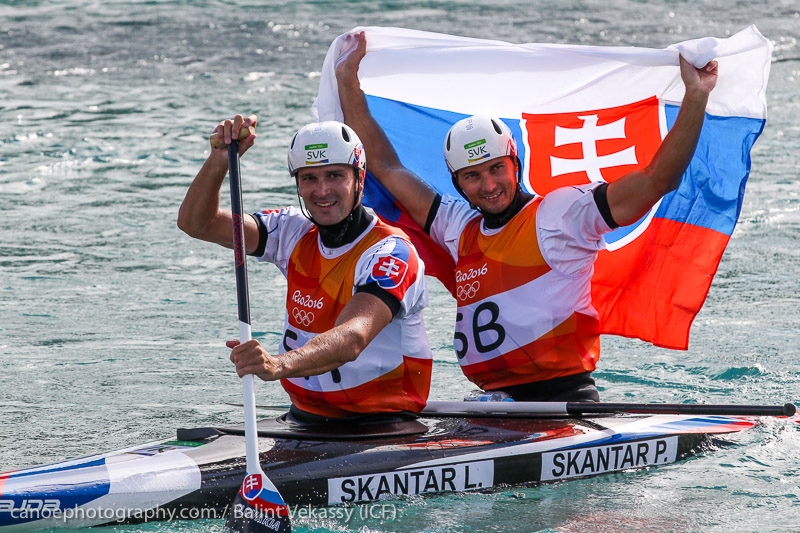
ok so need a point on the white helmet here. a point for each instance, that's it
(326, 143)
(477, 139)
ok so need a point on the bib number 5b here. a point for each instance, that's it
(487, 333)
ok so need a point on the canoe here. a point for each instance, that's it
(197, 472)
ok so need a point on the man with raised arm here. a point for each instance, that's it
(354, 338)
(525, 323)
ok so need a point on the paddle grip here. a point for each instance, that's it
(244, 133)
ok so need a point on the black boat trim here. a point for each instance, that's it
(285, 428)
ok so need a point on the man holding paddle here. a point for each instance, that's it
(354, 338)
(525, 322)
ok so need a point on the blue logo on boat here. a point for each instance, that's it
(35, 494)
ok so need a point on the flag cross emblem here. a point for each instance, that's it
(389, 268)
(590, 146)
(251, 487)
(588, 137)
(389, 271)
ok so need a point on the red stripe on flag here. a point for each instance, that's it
(653, 288)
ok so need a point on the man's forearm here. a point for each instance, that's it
(681, 142)
(380, 153)
(321, 354)
(202, 201)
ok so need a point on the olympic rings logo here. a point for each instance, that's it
(468, 291)
(303, 317)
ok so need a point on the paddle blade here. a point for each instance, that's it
(258, 508)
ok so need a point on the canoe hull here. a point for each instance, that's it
(198, 474)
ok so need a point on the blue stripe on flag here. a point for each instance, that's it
(712, 198)
(417, 134)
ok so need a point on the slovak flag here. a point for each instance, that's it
(580, 114)
(251, 487)
(259, 492)
(389, 271)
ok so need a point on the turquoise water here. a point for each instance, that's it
(112, 322)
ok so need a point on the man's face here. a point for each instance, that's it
(490, 186)
(328, 192)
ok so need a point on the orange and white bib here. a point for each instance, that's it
(393, 372)
(524, 290)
